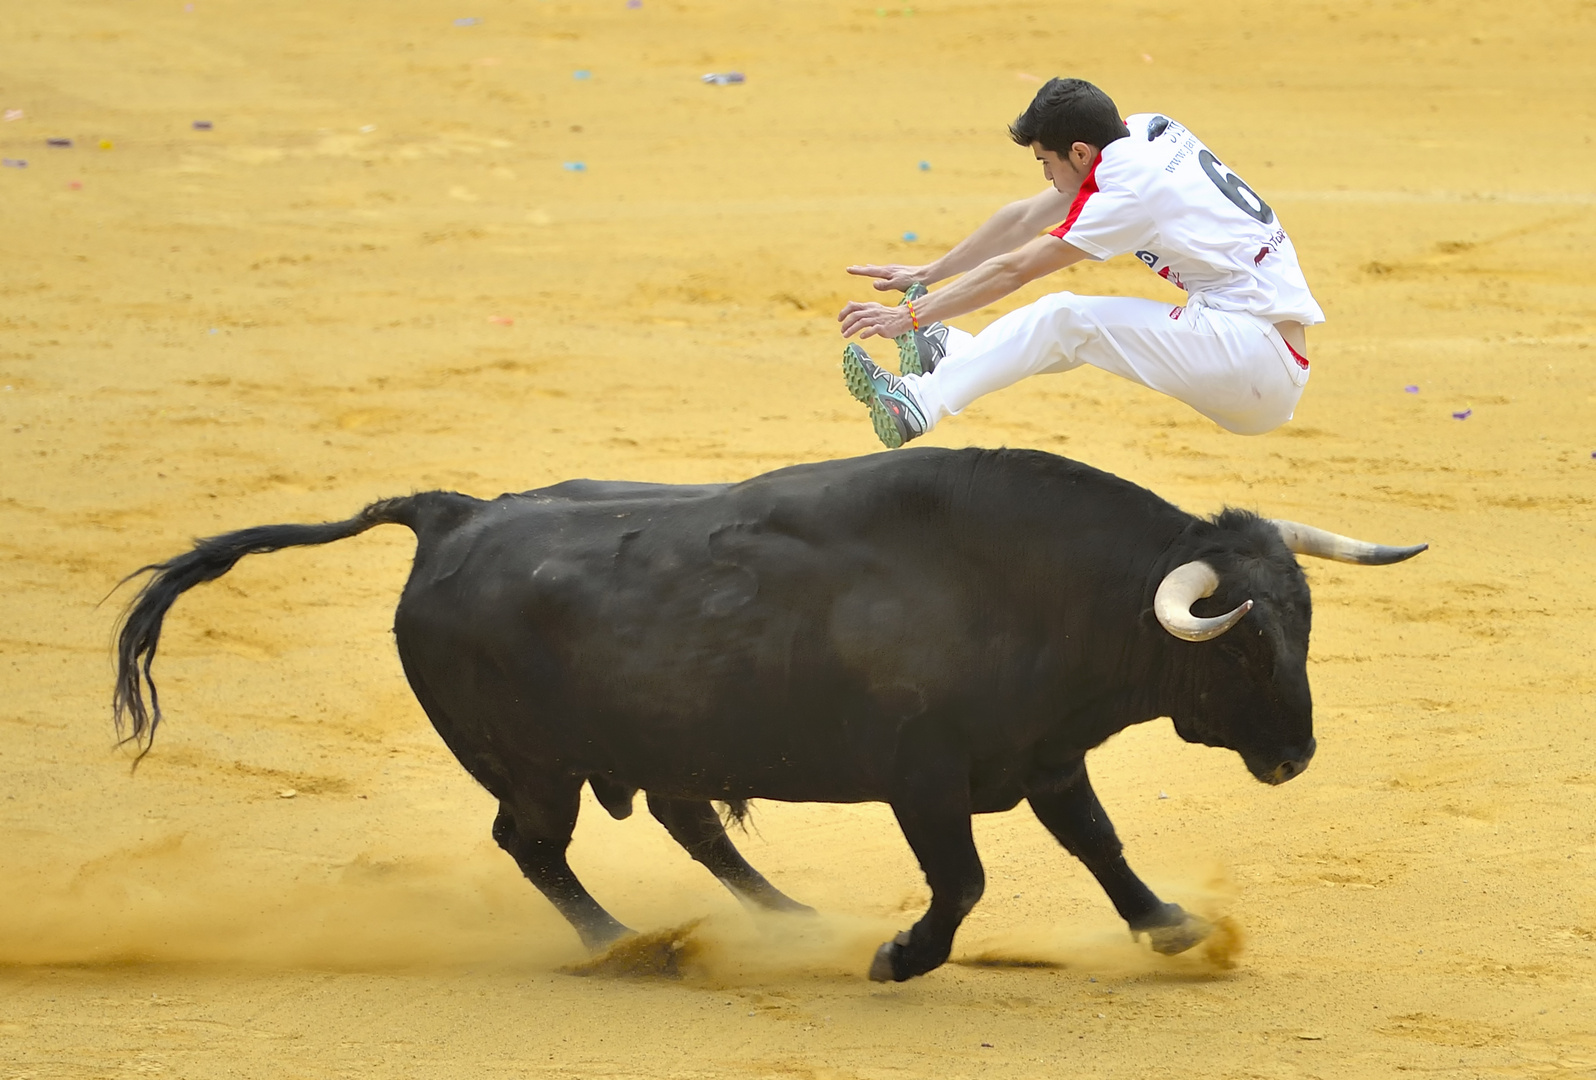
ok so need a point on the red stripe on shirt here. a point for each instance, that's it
(1088, 189)
(1302, 361)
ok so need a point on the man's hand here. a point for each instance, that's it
(991, 281)
(874, 320)
(895, 276)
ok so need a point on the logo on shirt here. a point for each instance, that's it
(1276, 238)
(1166, 273)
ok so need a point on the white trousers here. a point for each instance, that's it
(1234, 368)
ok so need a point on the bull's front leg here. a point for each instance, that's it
(1068, 806)
(932, 804)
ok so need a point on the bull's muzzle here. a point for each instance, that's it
(1284, 767)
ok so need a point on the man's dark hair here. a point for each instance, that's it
(1065, 112)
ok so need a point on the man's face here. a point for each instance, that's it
(1066, 171)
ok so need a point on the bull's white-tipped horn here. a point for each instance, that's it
(1181, 588)
(1307, 540)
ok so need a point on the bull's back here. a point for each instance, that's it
(754, 631)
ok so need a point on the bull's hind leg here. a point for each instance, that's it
(695, 825)
(1071, 812)
(536, 833)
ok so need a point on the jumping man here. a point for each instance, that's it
(1235, 351)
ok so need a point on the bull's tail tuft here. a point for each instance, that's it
(139, 630)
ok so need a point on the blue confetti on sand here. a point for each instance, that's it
(469, 20)
(925, 166)
(575, 166)
(582, 73)
(911, 237)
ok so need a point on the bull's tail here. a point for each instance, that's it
(140, 629)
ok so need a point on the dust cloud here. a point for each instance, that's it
(179, 900)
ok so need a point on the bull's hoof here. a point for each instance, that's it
(884, 967)
(1170, 940)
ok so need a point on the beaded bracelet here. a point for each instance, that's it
(914, 319)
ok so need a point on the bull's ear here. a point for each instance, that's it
(1181, 588)
(1322, 544)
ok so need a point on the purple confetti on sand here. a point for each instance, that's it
(1410, 389)
(469, 20)
(634, 3)
(1464, 415)
(58, 142)
(203, 125)
(13, 163)
(724, 78)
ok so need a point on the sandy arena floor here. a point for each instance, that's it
(376, 274)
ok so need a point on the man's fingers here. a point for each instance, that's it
(867, 320)
(858, 322)
(870, 271)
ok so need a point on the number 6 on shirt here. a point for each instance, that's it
(1233, 186)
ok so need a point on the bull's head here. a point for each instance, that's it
(1250, 693)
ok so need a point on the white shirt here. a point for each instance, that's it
(1162, 194)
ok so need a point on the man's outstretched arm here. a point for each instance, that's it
(987, 283)
(1004, 231)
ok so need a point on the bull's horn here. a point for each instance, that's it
(1181, 588)
(1307, 540)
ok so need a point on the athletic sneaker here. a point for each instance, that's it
(920, 351)
(894, 413)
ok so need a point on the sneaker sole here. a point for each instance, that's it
(863, 391)
(853, 373)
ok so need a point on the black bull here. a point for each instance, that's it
(948, 632)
